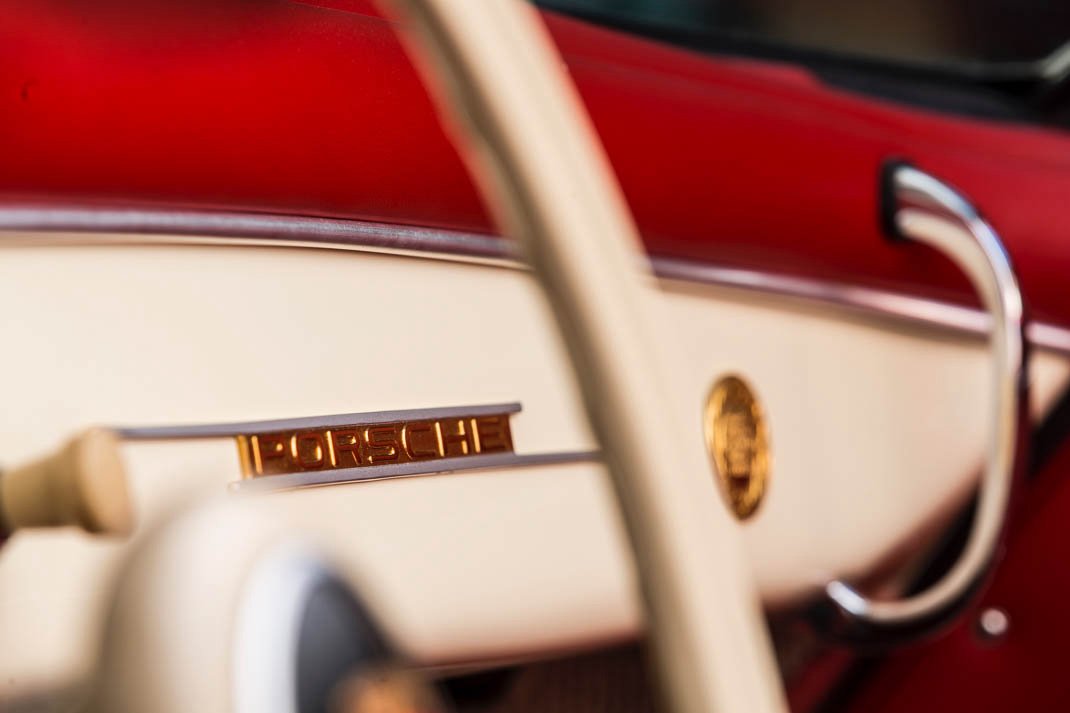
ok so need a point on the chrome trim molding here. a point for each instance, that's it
(254, 228)
(1048, 337)
(864, 300)
(926, 211)
(367, 472)
(226, 430)
(403, 470)
(105, 226)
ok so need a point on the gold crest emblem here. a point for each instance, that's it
(738, 444)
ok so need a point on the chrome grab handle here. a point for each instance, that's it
(923, 209)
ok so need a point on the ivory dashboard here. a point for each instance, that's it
(226, 366)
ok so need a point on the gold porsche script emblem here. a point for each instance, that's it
(738, 444)
(359, 445)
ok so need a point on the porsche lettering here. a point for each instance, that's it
(361, 445)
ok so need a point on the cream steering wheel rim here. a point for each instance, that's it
(535, 156)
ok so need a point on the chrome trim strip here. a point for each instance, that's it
(363, 473)
(927, 211)
(249, 428)
(141, 226)
(865, 300)
(254, 227)
(1048, 337)
(404, 470)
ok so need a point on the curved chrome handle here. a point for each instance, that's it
(923, 209)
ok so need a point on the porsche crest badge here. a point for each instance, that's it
(738, 444)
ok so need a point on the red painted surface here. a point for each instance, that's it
(302, 108)
(1026, 670)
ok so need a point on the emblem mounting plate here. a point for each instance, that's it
(374, 445)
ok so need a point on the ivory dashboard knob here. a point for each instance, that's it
(82, 484)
